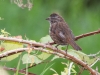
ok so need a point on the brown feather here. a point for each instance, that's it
(60, 31)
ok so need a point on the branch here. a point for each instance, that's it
(11, 52)
(60, 53)
(20, 71)
(87, 34)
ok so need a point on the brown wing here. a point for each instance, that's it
(60, 34)
(65, 33)
(54, 33)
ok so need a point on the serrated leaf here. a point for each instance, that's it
(92, 61)
(43, 56)
(27, 58)
(74, 54)
(82, 56)
(10, 45)
(46, 39)
(78, 54)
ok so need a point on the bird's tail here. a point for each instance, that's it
(75, 46)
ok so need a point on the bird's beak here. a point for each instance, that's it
(48, 18)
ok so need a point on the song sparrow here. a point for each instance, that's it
(60, 31)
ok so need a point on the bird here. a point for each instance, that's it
(60, 32)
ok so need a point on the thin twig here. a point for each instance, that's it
(94, 55)
(20, 71)
(35, 65)
(87, 34)
(95, 62)
(11, 52)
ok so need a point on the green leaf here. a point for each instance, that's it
(46, 39)
(82, 56)
(43, 56)
(10, 45)
(27, 58)
(72, 52)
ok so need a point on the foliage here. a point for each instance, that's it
(35, 57)
(81, 15)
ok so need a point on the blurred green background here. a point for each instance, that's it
(82, 16)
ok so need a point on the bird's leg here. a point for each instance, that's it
(57, 46)
(67, 48)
